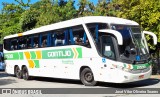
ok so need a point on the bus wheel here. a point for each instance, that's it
(17, 72)
(87, 77)
(25, 73)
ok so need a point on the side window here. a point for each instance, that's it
(7, 45)
(29, 42)
(94, 27)
(78, 36)
(35, 41)
(22, 42)
(108, 47)
(44, 40)
(59, 37)
(14, 44)
(53, 38)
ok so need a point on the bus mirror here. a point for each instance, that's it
(115, 33)
(151, 34)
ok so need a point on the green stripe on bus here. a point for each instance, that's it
(48, 54)
(138, 66)
(79, 50)
(141, 66)
(12, 56)
(21, 55)
(36, 62)
(33, 54)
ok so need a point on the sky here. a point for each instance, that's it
(13, 1)
(33, 1)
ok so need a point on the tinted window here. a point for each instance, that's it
(94, 27)
(60, 37)
(14, 44)
(7, 44)
(78, 36)
(67, 36)
(108, 47)
(22, 42)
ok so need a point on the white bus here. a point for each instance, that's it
(91, 49)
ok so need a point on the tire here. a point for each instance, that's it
(17, 72)
(87, 77)
(25, 73)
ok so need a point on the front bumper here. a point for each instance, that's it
(120, 76)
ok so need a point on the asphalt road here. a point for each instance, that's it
(8, 81)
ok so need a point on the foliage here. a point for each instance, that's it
(9, 22)
(86, 8)
(102, 8)
(145, 12)
(46, 12)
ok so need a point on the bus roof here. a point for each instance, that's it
(77, 21)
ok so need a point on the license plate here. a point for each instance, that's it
(141, 76)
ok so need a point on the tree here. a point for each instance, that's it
(31, 18)
(56, 11)
(28, 19)
(10, 17)
(101, 8)
(86, 8)
(145, 12)
(48, 13)
(68, 11)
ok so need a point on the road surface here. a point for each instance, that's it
(8, 81)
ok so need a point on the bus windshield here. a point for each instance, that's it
(133, 48)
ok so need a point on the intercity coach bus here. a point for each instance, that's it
(91, 49)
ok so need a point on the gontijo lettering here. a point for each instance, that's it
(59, 53)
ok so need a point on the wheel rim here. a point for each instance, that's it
(25, 74)
(88, 77)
